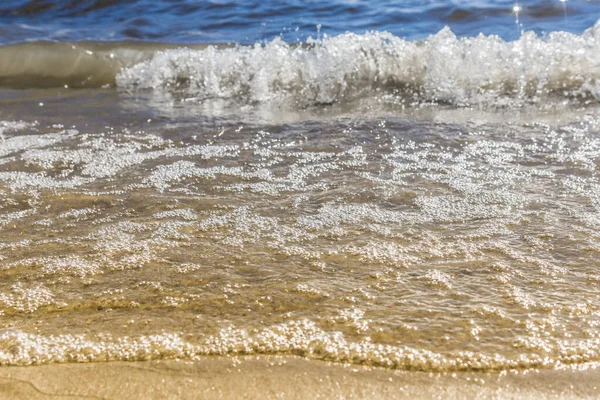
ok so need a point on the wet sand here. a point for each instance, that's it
(274, 377)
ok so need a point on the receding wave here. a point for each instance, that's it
(484, 70)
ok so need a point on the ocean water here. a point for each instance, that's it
(413, 185)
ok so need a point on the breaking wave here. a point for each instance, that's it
(482, 70)
(443, 68)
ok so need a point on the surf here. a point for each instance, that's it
(560, 67)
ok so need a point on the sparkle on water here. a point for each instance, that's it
(426, 205)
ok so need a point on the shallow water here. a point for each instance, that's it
(425, 205)
(421, 239)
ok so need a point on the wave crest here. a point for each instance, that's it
(442, 68)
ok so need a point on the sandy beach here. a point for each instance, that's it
(299, 200)
(274, 377)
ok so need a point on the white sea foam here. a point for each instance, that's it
(442, 68)
(296, 337)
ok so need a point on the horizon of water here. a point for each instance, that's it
(410, 186)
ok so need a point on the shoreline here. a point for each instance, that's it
(271, 377)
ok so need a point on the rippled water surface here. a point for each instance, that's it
(361, 197)
(249, 21)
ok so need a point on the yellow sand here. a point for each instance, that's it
(282, 377)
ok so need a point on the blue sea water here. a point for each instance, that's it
(250, 21)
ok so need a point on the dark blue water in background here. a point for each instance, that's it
(250, 21)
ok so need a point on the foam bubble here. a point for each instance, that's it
(296, 337)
